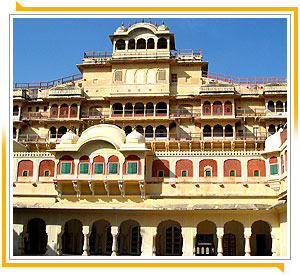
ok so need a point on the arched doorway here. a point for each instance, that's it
(72, 238)
(130, 239)
(101, 238)
(169, 239)
(261, 241)
(206, 239)
(36, 241)
(233, 239)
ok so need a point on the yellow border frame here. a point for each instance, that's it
(21, 8)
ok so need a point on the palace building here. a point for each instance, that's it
(148, 153)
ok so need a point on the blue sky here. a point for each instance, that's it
(46, 49)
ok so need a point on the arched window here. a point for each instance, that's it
(232, 168)
(52, 132)
(150, 43)
(206, 108)
(256, 168)
(207, 131)
(228, 131)
(162, 43)
(217, 108)
(25, 168)
(128, 130)
(150, 76)
(139, 109)
(184, 168)
(161, 109)
(95, 111)
(273, 163)
(228, 108)
(120, 44)
(149, 132)
(272, 129)
(66, 165)
(36, 242)
(61, 131)
(131, 44)
(113, 165)
(117, 109)
(16, 110)
(84, 165)
(141, 43)
(64, 111)
(132, 165)
(149, 109)
(54, 111)
(128, 110)
(218, 131)
(73, 110)
(279, 106)
(46, 168)
(140, 129)
(208, 166)
(161, 132)
(98, 165)
(160, 168)
(271, 107)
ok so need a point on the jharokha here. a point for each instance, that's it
(148, 153)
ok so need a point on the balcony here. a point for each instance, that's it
(32, 138)
(248, 112)
(65, 92)
(95, 115)
(35, 116)
(19, 94)
(139, 114)
(185, 113)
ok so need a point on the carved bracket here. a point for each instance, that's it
(142, 188)
(106, 187)
(58, 189)
(122, 188)
(92, 187)
(76, 188)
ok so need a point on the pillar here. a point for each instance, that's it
(76, 163)
(220, 234)
(60, 232)
(51, 241)
(247, 235)
(115, 232)
(154, 237)
(274, 240)
(86, 235)
(36, 165)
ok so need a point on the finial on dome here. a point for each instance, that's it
(150, 20)
(163, 22)
(143, 20)
(155, 24)
(122, 23)
(135, 21)
(129, 25)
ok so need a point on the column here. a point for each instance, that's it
(154, 248)
(60, 232)
(51, 241)
(55, 168)
(76, 162)
(211, 109)
(86, 235)
(274, 244)
(247, 235)
(115, 232)
(36, 171)
(18, 243)
(196, 170)
(78, 113)
(220, 234)
(223, 110)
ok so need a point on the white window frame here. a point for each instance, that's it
(88, 168)
(61, 168)
(137, 167)
(108, 168)
(211, 171)
(102, 169)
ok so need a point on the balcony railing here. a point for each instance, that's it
(97, 54)
(245, 112)
(139, 113)
(95, 115)
(34, 115)
(244, 81)
(48, 84)
(32, 138)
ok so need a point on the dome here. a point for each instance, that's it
(69, 138)
(122, 28)
(273, 142)
(163, 27)
(135, 137)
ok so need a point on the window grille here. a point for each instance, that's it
(256, 173)
(160, 173)
(132, 167)
(65, 168)
(25, 174)
(208, 173)
(184, 173)
(98, 168)
(229, 245)
(135, 240)
(232, 173)
(118, 76)
(173, 241)
(162, 75)
(113, 168)
(84, 168)
(274, 169)
(46, 173)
